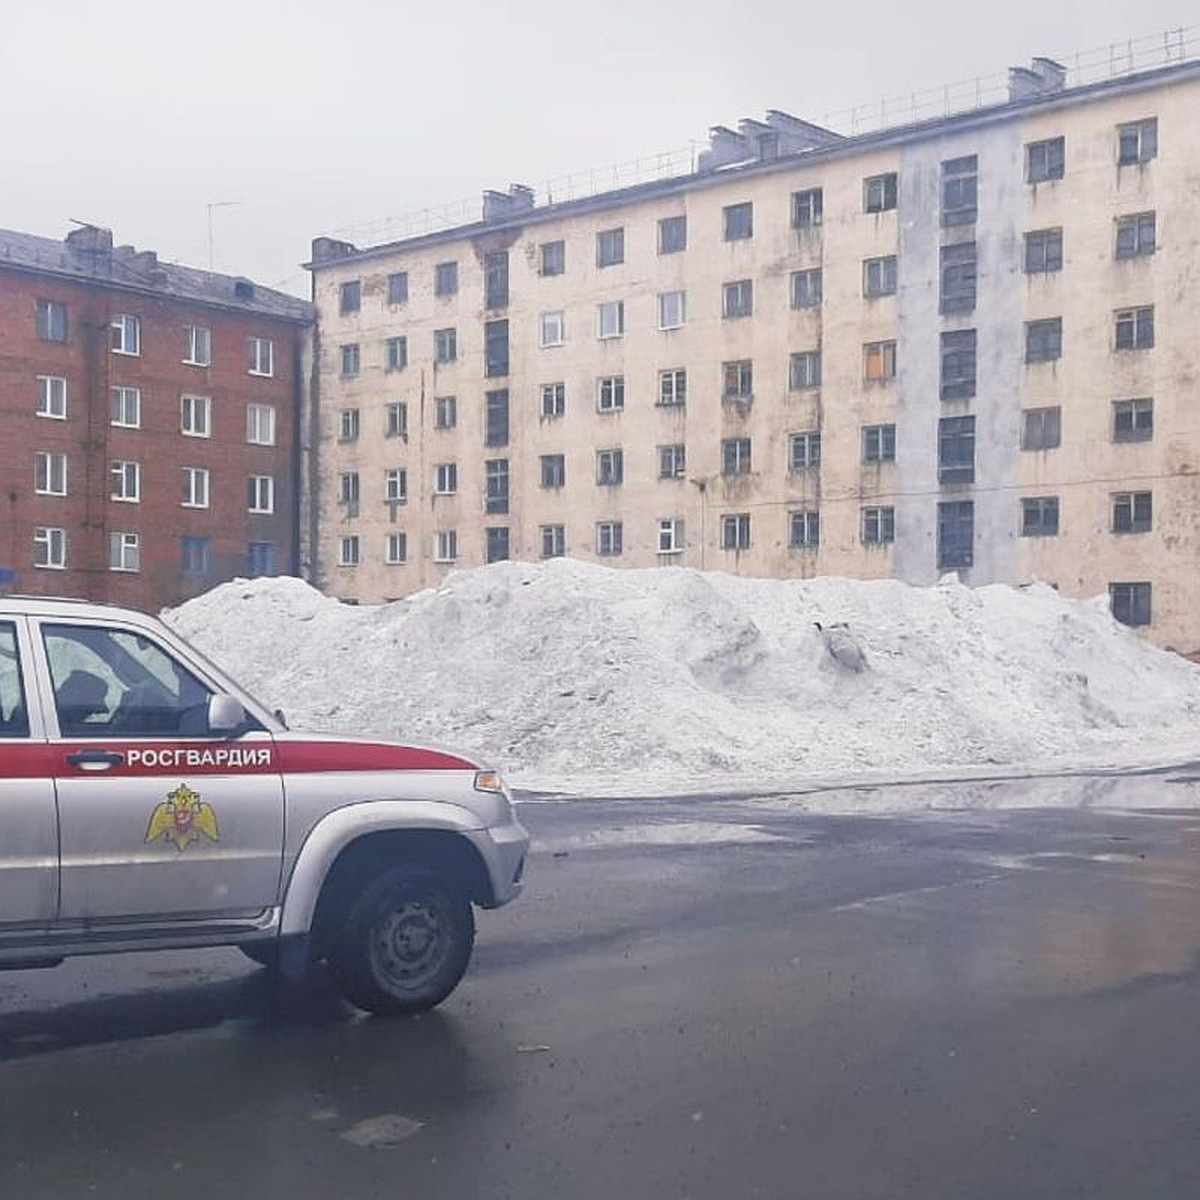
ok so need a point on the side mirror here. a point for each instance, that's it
(225, 714)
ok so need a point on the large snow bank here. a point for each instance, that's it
(569, 675)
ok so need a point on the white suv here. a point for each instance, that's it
(147, 802)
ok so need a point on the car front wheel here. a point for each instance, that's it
(405, 942)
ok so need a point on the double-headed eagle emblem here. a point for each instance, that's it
(181, 818)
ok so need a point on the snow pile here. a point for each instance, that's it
(570, 675)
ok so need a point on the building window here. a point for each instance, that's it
(879, 193)
(554, 470)
(445, 345)
(958, 278)
(351, 359)
(50, 548)
(609, 538)
(349, 425)
(126, 334)
(349, 297)
(960, 190)
(735, 456)
(195, 416)
(672, 461)
(879, 362)
(197, 346)
(445, 279)
(1043, 251)
(126, 482)
(348, 551)
(554, 399)
(958, 364)
(126, 407)
(195, 487)
(1135, 328)
(956, 450)
(610, 247)
(397, 285)
(395, 420)
(1039, 516)
(1137, 142)
(52, 397)
(445, 412)
(1041, 428)
(51, 321)
(1045, 160)
(806, 288)
(195, 555)
(260, 494)
(878, 525)
(260, 424)
(1043, 340)
(349, 492)
(672, 235)
(670, 535)
(738, 380)
(396, 549)
(552, 330)
(554, 258)
(737, 299)
(396, 353)
(807, 208)
(672, 388)
(495, 279)
(495, 476)
(262, 559)
(804, 450)
(395, 485)
(1133, 420)
(124, 552)
(804, 371)
(50, 473)
(879, 443)
(497, 537)
(611, 394)
(1132, 512)
(738, 221)
(735, 531)
(879, 276)
(1135, 235)
(956, 534)
(554, 541)
(260, 354)
(610, 467)
(672, 310)
(610, 319)
(445, 479)
(495, 349)
(804, 530)
(1130, 603)
(495, 418)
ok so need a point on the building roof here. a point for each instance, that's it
(87, 255)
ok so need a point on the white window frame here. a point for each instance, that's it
(258, 415)
(804, 450)
(396, 350)
(614, 385)
(124, 552)
(554, 399)
(610, 537)
(553, 540)
(198, 351)
(672, 387)
(195, 416)
(395, 549)
(50, 545)
(125, 481)
(196, 487)
(349, 425)
(670, 535)
(126, 334)
(261, 351)
(674, 456)
(350, 359)
(610, 467)
(52, 397)
(445, 479)
(261, 494)
(808, 519)
(552, 330)
(445, 412)
(396, 420)
(735, 532)
(395, 485)
(741, 291)
(672, 310)
(610, 319)
(445, 546)
(445, 345)
(349, 551)
(349, 491)
(50, 469)
(121, 399)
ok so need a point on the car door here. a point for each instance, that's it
(158, 818)
(28, 821)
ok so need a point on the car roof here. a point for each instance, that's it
(58, 606)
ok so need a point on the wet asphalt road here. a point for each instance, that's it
(978, 1007)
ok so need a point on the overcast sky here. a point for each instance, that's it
(304, 117)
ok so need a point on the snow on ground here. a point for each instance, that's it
(576, 677)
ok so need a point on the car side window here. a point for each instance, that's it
(114, 683)
(14, 715)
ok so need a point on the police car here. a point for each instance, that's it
(148, 802)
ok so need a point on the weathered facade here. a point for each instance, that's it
(149, 422)
(961, 345)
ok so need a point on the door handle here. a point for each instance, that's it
(95, 760)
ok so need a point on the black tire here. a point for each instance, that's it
(404, 942)
(266, 954)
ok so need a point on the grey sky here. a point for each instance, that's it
(323, 116)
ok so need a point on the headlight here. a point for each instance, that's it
(489, 781)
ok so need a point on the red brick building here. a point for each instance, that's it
(149, 423)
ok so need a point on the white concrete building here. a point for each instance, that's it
(964, 344)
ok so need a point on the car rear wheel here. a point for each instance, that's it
(404, 944)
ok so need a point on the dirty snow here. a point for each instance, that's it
(576, 677)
